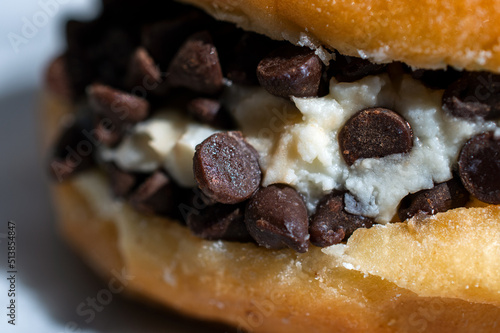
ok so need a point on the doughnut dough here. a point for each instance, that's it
(424, 34)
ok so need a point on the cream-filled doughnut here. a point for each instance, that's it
(286, 166)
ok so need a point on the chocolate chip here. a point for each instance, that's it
(115, 110)
(440, 198)
(276, 217)
(155, 195)
(143, 71)
(474, 95)
(122, 182)
(117, 104)
(291, 71)
(331, 224)
(436, 79)
(349, 69)
(204, 109)
(73, 151)
(209, 111)
(220, 221)
(226, 168)
(375, 132)
(57, 78)
(479, 167)
(196, 65)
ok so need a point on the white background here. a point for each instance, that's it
(51, 280)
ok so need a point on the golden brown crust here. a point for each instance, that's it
(241, 284)
(426, 34)
(261, 290)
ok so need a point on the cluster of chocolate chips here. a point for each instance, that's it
(440, 198)
(228, 174)
(476, 96)
(155, 193)
(473, 96)
(478, 170)
(125, 68)
(162, 53)
(173, 48)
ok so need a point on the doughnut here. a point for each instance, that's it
(285, 166)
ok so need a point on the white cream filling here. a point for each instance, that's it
(166, 140)
(298, 144)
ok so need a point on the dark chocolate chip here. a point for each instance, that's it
(474, 95)
(349, 69)
(436, 79)
(479, 167)
(73, 151)
(440, 198)
(155, 195)
(122, 182)
(220, 221)
(196, 65)
(115, 111)
(209, 111)
(204, 109)
(116, 104)
(375, 132)
(57, 78)
(291, 71)
(276, 217)
(226, 168)
(142, 71)
(331, 224)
